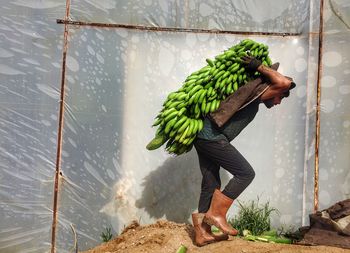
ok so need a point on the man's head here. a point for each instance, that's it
(276, 99)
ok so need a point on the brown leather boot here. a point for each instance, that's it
(216, 214)
(219, 237)
(201, 236)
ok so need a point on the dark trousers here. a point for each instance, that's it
(212, 155)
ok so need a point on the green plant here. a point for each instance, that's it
(253, 216)
(106, 235)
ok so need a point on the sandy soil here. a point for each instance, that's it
(165, 236)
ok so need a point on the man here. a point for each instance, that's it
(214, 149)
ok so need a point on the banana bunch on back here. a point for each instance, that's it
(201, 93)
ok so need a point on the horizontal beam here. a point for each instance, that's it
(171, 29)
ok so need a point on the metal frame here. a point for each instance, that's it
(60, 132)
(170, 29)
(318, 109)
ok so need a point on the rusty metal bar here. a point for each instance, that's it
(60, 131)
(318, 107)
(170, 29)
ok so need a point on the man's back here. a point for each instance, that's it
(232, 127)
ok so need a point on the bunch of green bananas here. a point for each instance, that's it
(181, 117)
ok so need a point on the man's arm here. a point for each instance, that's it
(278, 82)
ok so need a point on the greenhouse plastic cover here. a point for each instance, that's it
(116, 80)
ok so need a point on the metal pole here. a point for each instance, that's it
(317, 137)
(60, 132)
(170, 29)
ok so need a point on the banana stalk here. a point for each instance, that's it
(181, 249)
(268, 236)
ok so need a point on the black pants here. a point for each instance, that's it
(213, 155)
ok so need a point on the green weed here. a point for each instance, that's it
(253, 216)
(106, 235)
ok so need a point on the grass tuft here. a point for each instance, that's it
(253, 216)
(106, 235)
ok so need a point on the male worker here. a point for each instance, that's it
(215, 151)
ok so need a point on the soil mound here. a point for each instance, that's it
(166, 237)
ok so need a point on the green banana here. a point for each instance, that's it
(213, 105)
(191, 77)
(184, 125)
(194, 90)
(223, 83)
(235, 86)
(254, 46)
(207, 107)
(197, 111)
(209, 91)
(199, 81)
(157, 141)
(171, 115)
(200, 127)
(210, 62)
(183, 136)
(219, 74)
(180, 122)
(202, 96)
(191, 127)
(195, 127)
(181, 106)
(234, 69)
(157, 122)
(168, 111)
(182, 111)
(181, 96)
(203, 106)
(169, 125)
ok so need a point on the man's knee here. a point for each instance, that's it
(249, 175)
(252, 175)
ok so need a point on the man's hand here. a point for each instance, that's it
(277, 80)
(251, 63)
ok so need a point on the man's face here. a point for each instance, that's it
(274, 101)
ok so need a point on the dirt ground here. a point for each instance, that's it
(165, 236)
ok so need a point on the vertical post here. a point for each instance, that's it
(317, 137)
(59, 134)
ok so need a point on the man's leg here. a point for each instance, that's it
(225, 155)
(210, 181)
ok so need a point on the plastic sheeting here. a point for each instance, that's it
(287, 16)
(30, 67)
(117, 79)
(335, 116)
(334, 139)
